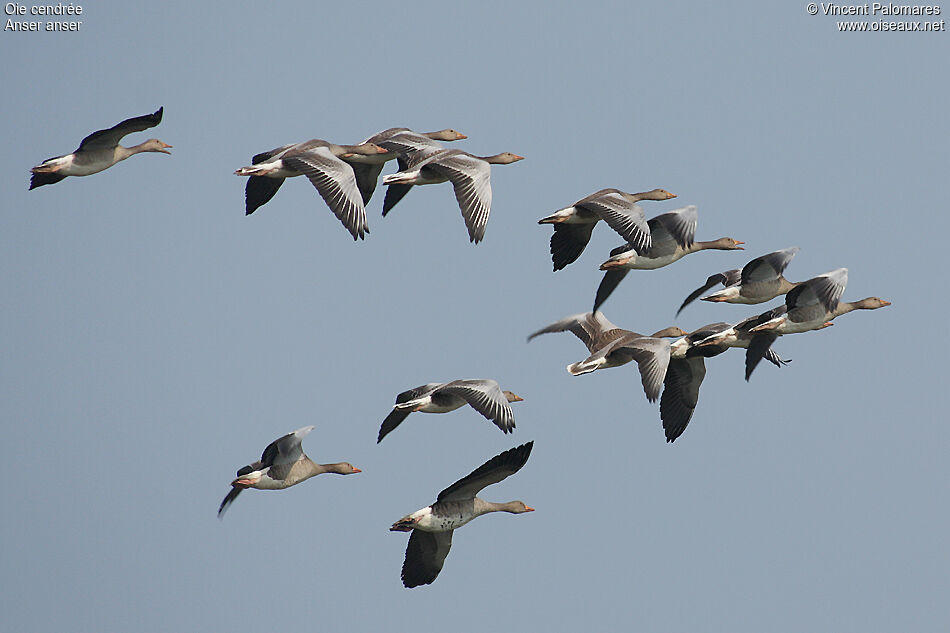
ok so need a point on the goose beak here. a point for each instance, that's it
(670, 195)
(885, 302)
(518, 157)
(714, 298)
(459, 136)
(528, 509)
(517, 399)
(356, 470)
(164, 151)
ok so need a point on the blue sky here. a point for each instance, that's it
(156, 339)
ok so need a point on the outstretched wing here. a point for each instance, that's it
(609, 283)
(258, 191)
(228, 500)
(622, 215)
(486, 397)
(680, 394)
(425, 555)
(568, 242)
(396, 416)
(335, 181)
(818, 293)
(588, 327)
(768, 267)
(491, 472)
(285, 450)
(107, 139)
(728, 278)
(471, 178)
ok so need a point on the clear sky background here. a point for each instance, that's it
(155, 339)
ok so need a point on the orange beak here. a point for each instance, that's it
(528, 509)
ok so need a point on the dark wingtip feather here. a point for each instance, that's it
(228, 500)
(40, 179)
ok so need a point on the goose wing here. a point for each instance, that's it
(728, 278)
(568, 242)
(611, 280)
(486, 397)
(107, 139)
(820, 293)
(652, 356)
(396, 416)
(336, 183)
(768, 267)
(620, 214)
(425, 555)
(471, 178)
(491, 472)
(680, 394)
(395, 193)
(671, 230)
(588, 327)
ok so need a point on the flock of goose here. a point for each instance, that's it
(346, 177)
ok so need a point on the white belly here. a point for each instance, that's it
(640, 262)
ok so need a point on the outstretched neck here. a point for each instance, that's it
(514, 507)
(722, 244)
(340, 468)
(868, 303)
(121, 153)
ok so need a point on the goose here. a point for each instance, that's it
(611, 346)
(671, 239)
(283, 464)
(470, 175)
(758, 281)
(686, 372)
(321, 162)
(399, 142)
(98, 151)
(432, 526)
(573, 225)
(485, 396)
(757, 346)
(814, 304)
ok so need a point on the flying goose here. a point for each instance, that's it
(470, 176)
(283, 464)
(100, 150)
(671, 237)
(432, 526)
(321, 162)
(814, 304)
(573, 225)
(399, 142)
(757, 346)
(611, 346)
(757, 282)
(485, 396)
